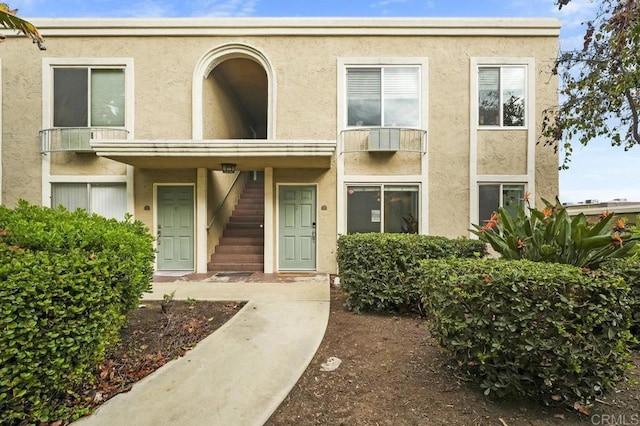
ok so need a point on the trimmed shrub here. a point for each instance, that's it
(526, 328)
(377, 270)
(66, 281)
(629, 269)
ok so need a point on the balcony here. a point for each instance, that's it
(383, 139)
(76, 139)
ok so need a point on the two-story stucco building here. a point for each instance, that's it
(323, 127)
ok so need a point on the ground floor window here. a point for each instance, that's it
(106, 199)
(382, 208)
(492, 196)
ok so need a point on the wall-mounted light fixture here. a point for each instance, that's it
(228, 168)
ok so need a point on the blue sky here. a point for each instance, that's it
(597, 171)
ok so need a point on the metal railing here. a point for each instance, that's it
(76, 139)
(383, 139)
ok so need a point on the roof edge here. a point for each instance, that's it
(296, 26)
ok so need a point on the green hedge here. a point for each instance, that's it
(530, 328)
(66, 281)
(629, 269)
(377, 270)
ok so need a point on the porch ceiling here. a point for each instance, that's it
(254, 154)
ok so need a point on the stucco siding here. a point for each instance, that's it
(502, 152)
(305, 63)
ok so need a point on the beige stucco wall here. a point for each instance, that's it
(144, 179)
(69, 163)
(502, 152)
(383, 163)
(223, 117)
(305, 68)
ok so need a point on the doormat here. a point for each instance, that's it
(234, 274)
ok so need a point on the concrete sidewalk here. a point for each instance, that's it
(242, 372)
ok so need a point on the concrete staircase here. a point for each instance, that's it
(241, 248)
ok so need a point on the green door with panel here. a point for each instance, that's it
(175, 229)
(297, 228)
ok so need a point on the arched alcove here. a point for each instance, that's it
(233, 94)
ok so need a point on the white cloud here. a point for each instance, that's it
(385, 3)
(577, 12)
(224, 8)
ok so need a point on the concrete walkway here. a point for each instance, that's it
(241, 373)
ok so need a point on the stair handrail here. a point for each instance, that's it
(224, 200)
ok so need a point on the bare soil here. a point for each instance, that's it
(154, 335)
(392, 373)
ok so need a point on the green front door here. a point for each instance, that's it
(297, 228)
(175, 228)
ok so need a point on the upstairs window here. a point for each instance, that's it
(383, 96)
(88, 97)
(501, 96)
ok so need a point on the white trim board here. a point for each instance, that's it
(53, 27)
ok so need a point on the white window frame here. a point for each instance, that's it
(382, 69)
(47, 117)
(48, 64)
(501, 184)
(89, 187)
(382, 185)
(501, 64)
(401, 62)
(89, 70)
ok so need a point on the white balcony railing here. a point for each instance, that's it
(76, 139)
(383, 139)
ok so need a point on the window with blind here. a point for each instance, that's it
(383, 96)
(88, 97)
(501, 96)
(106, 199)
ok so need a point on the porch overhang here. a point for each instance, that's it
(252, 154)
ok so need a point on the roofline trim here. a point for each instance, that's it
(68, 27)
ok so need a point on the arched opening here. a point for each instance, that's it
(233, 95)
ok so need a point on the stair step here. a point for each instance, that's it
(244, 225)
(242, 241)
(240, 249)
(247, 211)
(259, 203)
(236, 258)
(232, 232)
(228, 267)
(247, 218)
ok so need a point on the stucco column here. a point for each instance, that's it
(201, 221)
(269, 203)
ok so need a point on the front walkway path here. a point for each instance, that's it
(241, 373)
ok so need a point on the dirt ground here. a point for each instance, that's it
(152, 337)
(394, 373)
